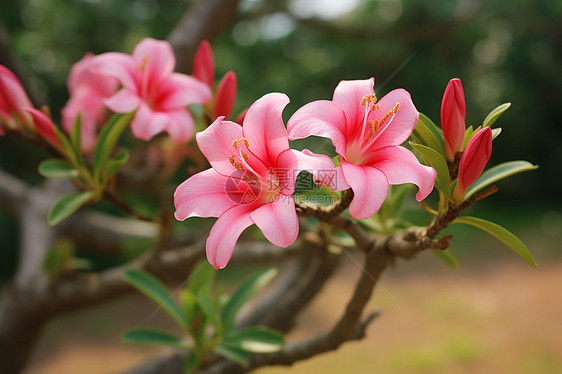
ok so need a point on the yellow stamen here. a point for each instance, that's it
(371, 98)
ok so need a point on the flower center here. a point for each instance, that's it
(359, 149)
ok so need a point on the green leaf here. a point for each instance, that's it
(428, 134)
(467, 135)
(243, 294)
(68, 204)
(496, 132)
(495, 114)
(497, 173)
(152, 337)
(255, 340)
(68, 150)
(501, 234)
(447, 257)
(192, 363)
(188, 304)
(75, 138)
(233, 354)
(55, 168)
(156, 291)
(209, 310)
(108, 139)
(436, 161)
(202, 275)
(115, 163)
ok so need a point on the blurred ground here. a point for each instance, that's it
(502, 317)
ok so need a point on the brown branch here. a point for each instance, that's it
(206, 19)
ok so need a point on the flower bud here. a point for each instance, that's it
(473, 160)
(225, 95)
(204, 65)
(13, 99)
(45, 127)
(453, 110)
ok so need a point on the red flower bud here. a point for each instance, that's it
(12, 100)
(453, 110)
(225, 95)
(45, 127)
(204, 65)
(473, 160)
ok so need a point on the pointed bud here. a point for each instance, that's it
(204, 65)
(473, 160)
(45, 127)
(225, 95)
(453, 110)
(12, 100)
(240, 118)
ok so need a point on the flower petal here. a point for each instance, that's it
(158, 53)
(226, 95)
(320, 118)
(225, 233)
(118, 65)
(202, 195)
(178, 90)
(370, 187)
(278, 221)
(401, 166)
(123, 101)
(180, 125)
(147, 123)
(399, 128)
(204, 64)
(263, 127)
(348, 95)
(216, 144)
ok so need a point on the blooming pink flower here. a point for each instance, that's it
(13, 99)
(45, 127)
(473, 160)
(453, 110)
(150, 87)
(88, 90)
(251, 180)
(367, 134)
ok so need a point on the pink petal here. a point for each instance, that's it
(263, 127)
(147, 123)
(278, 221)
(155, 52)
(123, 101)
(240, 117)
(225, 234)
(181, 125)
(202, 195)
(320, 166)
(216, 144)
(12, 94)
(348, 95)
(45, 127)
(397, 130)
(204, 65)
(320, 118)
(401, 166)
(225, 95)
(339, 184)
(178, 90)
(118, 65)
(370, 187)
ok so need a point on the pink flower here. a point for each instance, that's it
(13, 99)
(45, 127)
(453, 110)
(473, 160)
(251, 180)
(367, 134)
(150, 87)
(88, 90)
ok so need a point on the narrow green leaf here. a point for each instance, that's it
(496, 132)
(151, 337)
(467, 135)
(447, 257)
(68, 150)
(436, 161)
(501, 234)
(188, 304)
(156, 291)
(495, 114)
(233, 354)
(192, 363)
(115, 163)
(209, 310)
(55, 168)
(202, 275)
(497, 173)
(243, 294)
(255, 340)
(427, 133)
(75, 138)
(108, 139)
(68, 204)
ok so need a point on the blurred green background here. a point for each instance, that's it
(503, 51)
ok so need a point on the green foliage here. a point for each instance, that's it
(56, 168)
(438, 162)
(495, 114)
(427, 133)
(68, 204)
(202, 317)
(447, 257)
(501, 234)
(498, 173)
